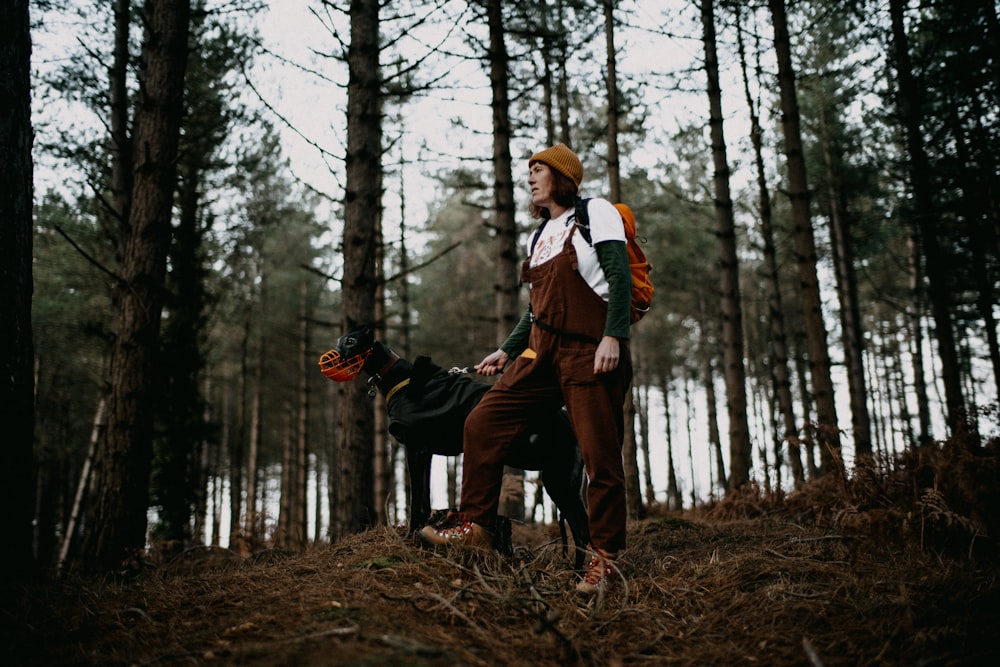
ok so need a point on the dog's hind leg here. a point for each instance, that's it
(418, 465)
(564, 484)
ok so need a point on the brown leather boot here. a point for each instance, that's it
(457, 530)
(598, 573)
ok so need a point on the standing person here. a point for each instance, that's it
(570, 348)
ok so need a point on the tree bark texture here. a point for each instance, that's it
(642, 402)
(117, 525)
(630, 453)
(121, 148)
(706, 352)
(362, 201)
(740, 451)
(805, 248)
(17, 356)
(908, 101)
(508, 255)
(852, 335)
(255, 427)
(778, 341)
(675, 497)
(611, 77)
(507, 285)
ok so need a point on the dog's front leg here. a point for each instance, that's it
(418, 464)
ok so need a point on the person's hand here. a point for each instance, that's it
(493, 363)
(606, 357)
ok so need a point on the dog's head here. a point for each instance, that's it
(348, 358)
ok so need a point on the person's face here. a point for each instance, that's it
(541, 183)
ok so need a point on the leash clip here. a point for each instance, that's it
(455, 370)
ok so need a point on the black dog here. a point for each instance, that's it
(427, 407)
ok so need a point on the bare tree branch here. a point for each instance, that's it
(90, 258)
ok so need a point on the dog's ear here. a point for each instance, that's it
(365, 334)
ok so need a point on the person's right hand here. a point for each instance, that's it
(493, 363)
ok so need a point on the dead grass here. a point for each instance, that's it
(840, 573)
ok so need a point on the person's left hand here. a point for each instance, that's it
(606, 357)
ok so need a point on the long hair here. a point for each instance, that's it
(564, 191)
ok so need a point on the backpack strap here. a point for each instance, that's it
(534, 238)
(583, 219)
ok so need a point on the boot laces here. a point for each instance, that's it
(599, 568)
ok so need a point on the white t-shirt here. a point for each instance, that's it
(605, 225)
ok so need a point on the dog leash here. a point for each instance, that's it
(455, 370)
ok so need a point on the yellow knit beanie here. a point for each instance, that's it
(563, 160)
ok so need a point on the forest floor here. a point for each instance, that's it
(749, 581)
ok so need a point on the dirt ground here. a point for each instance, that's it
(741, 584)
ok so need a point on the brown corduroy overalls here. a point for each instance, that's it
(561, 372)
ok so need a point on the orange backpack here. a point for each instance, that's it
(642, 284)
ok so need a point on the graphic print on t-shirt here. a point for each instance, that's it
(550, 242)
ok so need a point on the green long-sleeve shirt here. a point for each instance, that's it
(613, 257)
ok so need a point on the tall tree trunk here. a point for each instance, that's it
(179, 405)
(675, 499)
(740, 451)
(405, 324)
(801, 374)
(337, 399)
(355, 465)
(611, 78)
(381, 416)
(642, 402)
(805, 248)
(255, 429)
(293, 524)
(300, 525)
(916, 340)
(615, 194)
(562, 58)
(910, 106)
(17, 360)
(633, 494)
(283, 533)
(121, 147)
(506, 285)
(236, 449)
(975, 208)
(548, 80)
(122, 466)
(706, 352)
(847, 291)
(895, 407)
(778, 340)
(688, 420)
(203, 449)
(218, 469)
